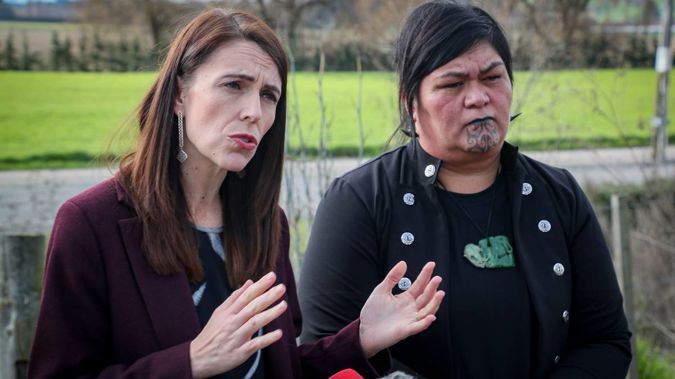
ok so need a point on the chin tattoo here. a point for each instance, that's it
(482, 136)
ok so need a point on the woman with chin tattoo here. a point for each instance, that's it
(530, 287)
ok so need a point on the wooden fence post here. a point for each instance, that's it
(624, 268)
(21, 265)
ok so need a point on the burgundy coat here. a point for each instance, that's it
(105, 313)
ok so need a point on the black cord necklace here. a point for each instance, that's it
(485, 232)
(490, 252)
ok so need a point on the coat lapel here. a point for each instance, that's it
(167, 298)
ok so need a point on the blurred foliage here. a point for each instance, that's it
(654, 363)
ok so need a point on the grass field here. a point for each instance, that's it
(66, 119)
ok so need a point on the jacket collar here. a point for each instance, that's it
(122, 195)
(426, 166)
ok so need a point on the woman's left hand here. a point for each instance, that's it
(387, 319)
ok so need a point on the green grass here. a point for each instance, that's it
(59, 119)
(653, 363)
(65, 119)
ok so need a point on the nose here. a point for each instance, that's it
(476, 96)
(251, 110)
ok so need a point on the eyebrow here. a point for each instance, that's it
(250, 78)
(463, 74)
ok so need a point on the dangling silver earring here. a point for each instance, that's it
(182, 155)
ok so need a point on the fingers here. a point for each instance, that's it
(422, 279)
(393, 276)
(421, 325)
(235, 295)
(253, 291)
(426, 315)
(429, 292)
(263, 341)
(261, 303)
(431, 308)
(261, 319)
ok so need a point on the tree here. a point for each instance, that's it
(11, 62)
(379, 22)
(286, 16)
(67, 55)
(156, 16)
(56, 52)
(28, 59)
(97, 52)
(83, 55)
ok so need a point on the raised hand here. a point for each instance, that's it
(387, 319)
(225, 342)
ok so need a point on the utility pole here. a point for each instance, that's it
(662, 66)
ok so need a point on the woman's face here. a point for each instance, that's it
(229, 103)
(463, 107)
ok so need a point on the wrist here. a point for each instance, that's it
(368, 348)
(196, 363)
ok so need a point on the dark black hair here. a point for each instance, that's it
(432, 35)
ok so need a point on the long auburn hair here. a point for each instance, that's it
(151, 174)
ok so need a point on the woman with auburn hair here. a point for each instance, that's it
(178, 265)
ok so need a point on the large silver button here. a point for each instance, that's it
(559, 269)
(527, 188)
(556, 359)
(429, 171)
(407, 238)
(409, 198)
(404, 284)
(544, 226)
(566, 316)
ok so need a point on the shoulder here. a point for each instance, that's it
(384, 165)
(373, 178)
(98, 205)
(561, 190)
(558, 179)
(97, 195)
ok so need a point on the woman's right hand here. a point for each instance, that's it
(226, 341)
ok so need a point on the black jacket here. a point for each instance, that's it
(357, 236)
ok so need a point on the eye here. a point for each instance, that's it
(493, 78)
(233, 85)
(269, 95)
(452, 85)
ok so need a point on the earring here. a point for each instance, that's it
(182, 155)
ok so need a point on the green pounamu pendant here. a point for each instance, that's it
(491, 252)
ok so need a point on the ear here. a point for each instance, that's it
(414, 110)
(404, 100)
(178, 101)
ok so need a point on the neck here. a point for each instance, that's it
(201, 187)
(470, 177)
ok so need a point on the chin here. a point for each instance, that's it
(233, 162)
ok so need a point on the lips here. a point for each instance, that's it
(244, 141)
(481, 121)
